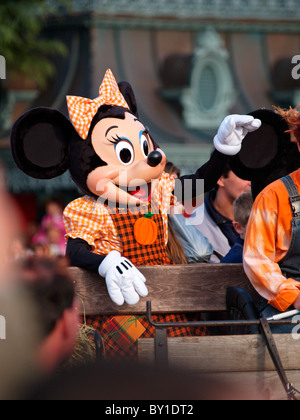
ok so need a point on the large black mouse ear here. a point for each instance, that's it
(129, 96)
(40, 143)
(262, 150)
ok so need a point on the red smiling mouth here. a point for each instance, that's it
(143, 192)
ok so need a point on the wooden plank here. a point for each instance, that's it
(177, 289)
(245, 353)
(241, 361)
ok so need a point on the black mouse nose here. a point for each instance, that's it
(154, 159)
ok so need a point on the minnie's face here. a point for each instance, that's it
(131, 173)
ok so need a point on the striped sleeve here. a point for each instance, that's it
(267, 242)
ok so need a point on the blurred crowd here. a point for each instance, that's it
(46, 238)
(37, 299)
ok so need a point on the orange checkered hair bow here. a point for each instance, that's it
(82, 110)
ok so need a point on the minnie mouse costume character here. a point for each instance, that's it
(121, 222)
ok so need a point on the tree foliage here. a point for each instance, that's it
(26, 52)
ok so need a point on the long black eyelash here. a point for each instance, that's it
(115, 140)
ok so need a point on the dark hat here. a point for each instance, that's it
(267, 154)
(262, 149)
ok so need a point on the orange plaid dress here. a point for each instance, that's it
(120, 343)
(88, 219)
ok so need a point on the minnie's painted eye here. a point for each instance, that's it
(144, 141)
(125, 152)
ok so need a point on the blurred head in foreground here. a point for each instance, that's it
(50, 287)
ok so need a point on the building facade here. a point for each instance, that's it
(190, 63)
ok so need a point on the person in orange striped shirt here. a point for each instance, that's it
(272, 245)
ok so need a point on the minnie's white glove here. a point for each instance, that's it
(232, 132)
(123, 280)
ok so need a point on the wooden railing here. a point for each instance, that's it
(243, 359)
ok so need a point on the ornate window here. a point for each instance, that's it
(211, 93)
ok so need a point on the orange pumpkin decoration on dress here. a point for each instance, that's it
(145, 230)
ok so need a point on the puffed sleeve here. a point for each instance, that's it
(88, 220)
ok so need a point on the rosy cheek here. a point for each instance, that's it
(97, 179)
